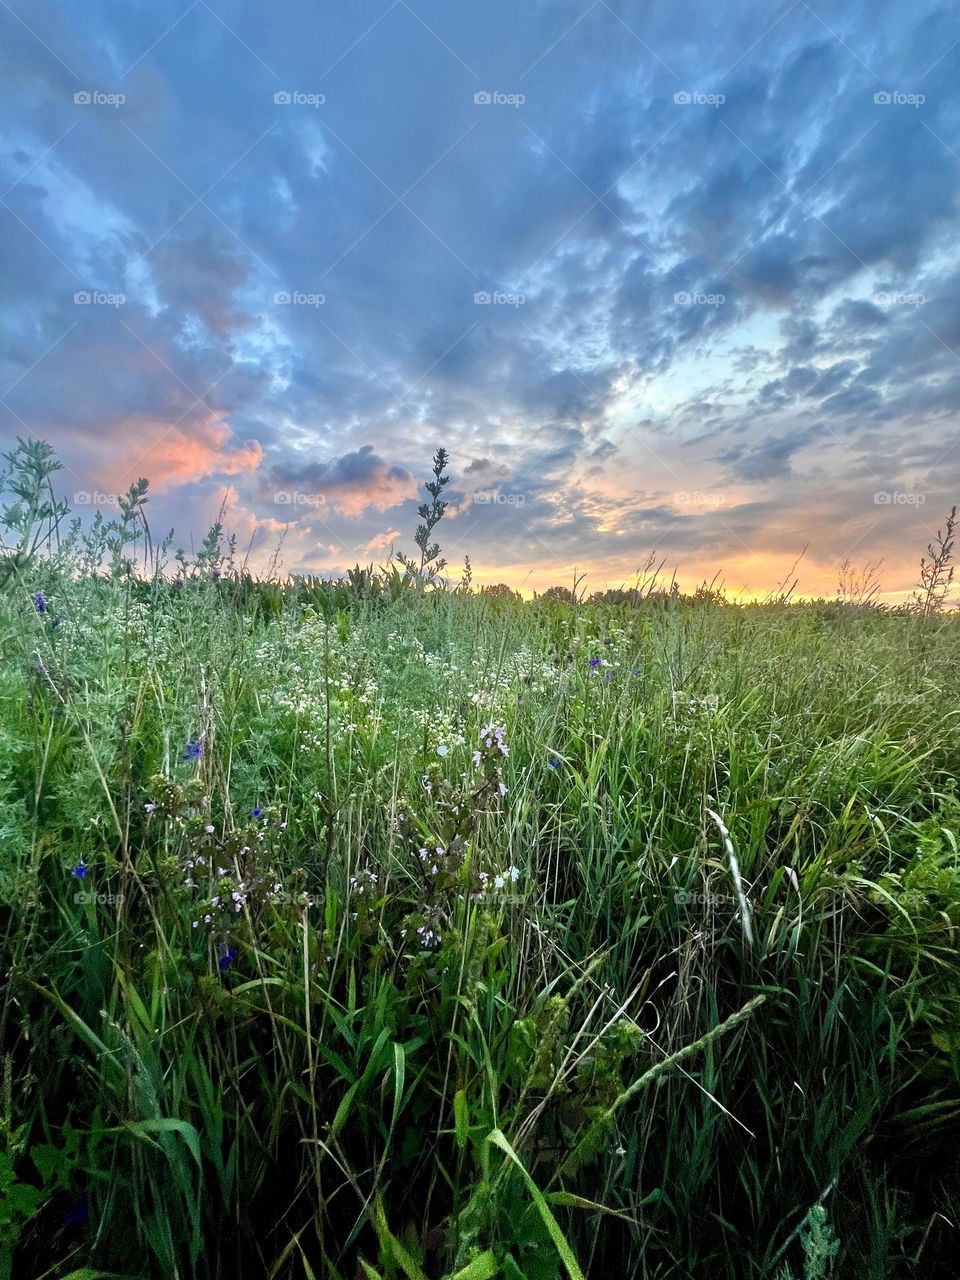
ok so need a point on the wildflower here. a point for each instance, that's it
(193, 750)
(227, 959)
(608, 676)
(514, 874)
(40, 600)
(256, 812)
(149, 808)
(638, 671)
(554, 762)
(595, 663)
(498, 882)
(443, 750)
(80, 870)
(77, 1212)
(209, 828)
(477, 757)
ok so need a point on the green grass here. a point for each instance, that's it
(575, 1076)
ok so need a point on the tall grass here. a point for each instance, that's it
(669, 990)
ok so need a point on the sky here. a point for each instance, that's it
(670, 278)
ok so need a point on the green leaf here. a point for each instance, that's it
(482, 1267)
(549, 1221)
(168, 1124)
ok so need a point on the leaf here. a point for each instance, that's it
(408, 1263)
(168, 1124)
(549, 1221)
(344, 1108)
(482, 1267)
(399, 1075)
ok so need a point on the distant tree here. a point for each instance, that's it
(562, 595)
(500, 591)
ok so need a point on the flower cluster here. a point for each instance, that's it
(222, 875)
(364, 884)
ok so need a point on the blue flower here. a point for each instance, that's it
(256, 812)
(193, 750)
(40, 600)
(80, 870)
(638, 671)
(595, 663)
(554, 762)
(77, 1212)
(227, 959)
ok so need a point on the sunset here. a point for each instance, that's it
(660, 281)
(479, 640)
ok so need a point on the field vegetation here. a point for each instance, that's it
(392, 928)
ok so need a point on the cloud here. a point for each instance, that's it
(594, 395)
(382, 541)
(351, 484)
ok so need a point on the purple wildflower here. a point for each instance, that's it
(40, 600)
(193, 750)
(554, 762)
(227, 959)
(595, 663)
(80, 870)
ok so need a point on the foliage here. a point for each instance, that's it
(354, 930)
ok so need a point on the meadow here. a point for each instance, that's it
(368, 930)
